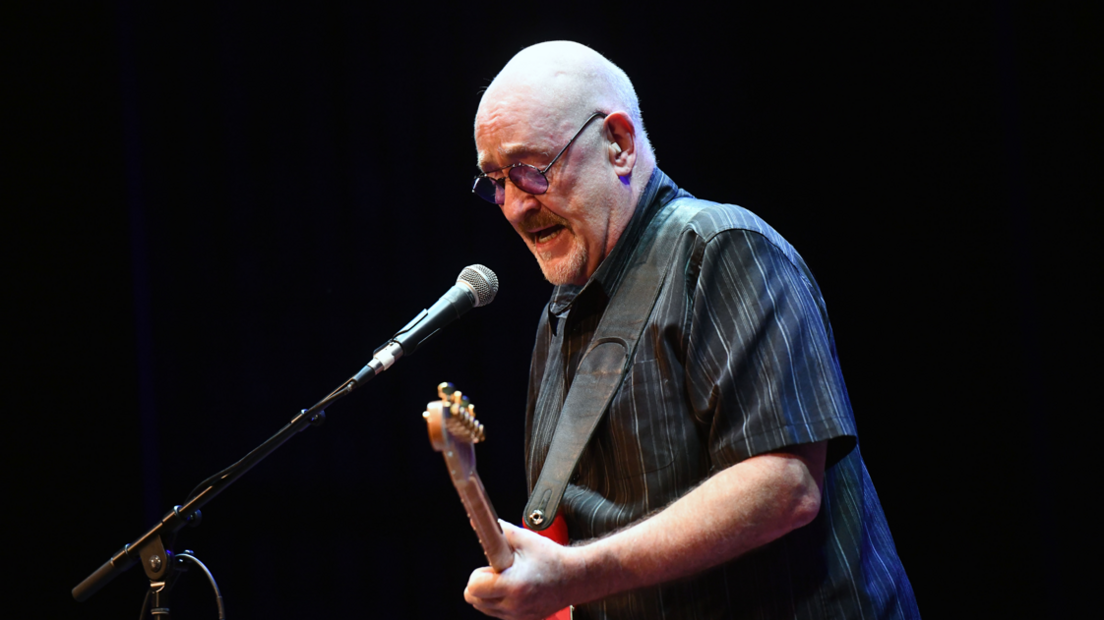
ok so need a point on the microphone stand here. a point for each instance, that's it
(476, 286)
(149, 548)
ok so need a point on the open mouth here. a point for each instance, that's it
(545, 235)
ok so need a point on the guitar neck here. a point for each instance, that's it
(485, 522)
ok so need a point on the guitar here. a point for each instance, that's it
(454, 431)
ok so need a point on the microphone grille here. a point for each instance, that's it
(482, 281)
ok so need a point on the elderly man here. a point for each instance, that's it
(722, 477)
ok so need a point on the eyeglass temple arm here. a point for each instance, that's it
(564, 149)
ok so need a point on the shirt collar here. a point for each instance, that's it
(659, 191)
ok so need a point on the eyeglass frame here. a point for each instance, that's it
(502, 181)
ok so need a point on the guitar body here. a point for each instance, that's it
(454, 431)
(557, 532)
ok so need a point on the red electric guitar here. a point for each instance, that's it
(454, 431)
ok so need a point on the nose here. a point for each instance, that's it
(518, 203)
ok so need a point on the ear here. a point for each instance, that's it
(621, 134)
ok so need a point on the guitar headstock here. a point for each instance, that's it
(453, 429)
(461, 422)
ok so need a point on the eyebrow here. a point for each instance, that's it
(512, 152)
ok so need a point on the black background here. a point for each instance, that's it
(214, 212)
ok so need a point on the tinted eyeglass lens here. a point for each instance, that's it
(529, 179)
(488, 190)
(525, 177)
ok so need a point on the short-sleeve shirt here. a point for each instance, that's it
(736, 360)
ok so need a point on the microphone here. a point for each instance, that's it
(476, 286)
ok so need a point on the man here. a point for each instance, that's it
(724, 478)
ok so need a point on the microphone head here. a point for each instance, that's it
(482, 281)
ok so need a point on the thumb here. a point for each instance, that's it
(516, 536)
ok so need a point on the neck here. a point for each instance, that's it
(627, 204)
(642, 173)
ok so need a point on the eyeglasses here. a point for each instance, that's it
(527, 178)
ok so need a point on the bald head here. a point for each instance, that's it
(562, 82)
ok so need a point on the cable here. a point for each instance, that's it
(145, 601)
(210, 577)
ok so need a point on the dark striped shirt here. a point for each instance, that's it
(736, 360)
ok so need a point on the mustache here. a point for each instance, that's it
(542, 219)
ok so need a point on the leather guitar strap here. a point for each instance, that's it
(608, 356)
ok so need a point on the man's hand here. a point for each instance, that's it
(536, 586)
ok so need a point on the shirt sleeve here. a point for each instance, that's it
(761, 366)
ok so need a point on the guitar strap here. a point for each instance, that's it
(608, 356)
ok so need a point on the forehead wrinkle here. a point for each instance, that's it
(517, 152)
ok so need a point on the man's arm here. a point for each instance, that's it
(743, 507)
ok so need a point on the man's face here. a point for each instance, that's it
(567, 228)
